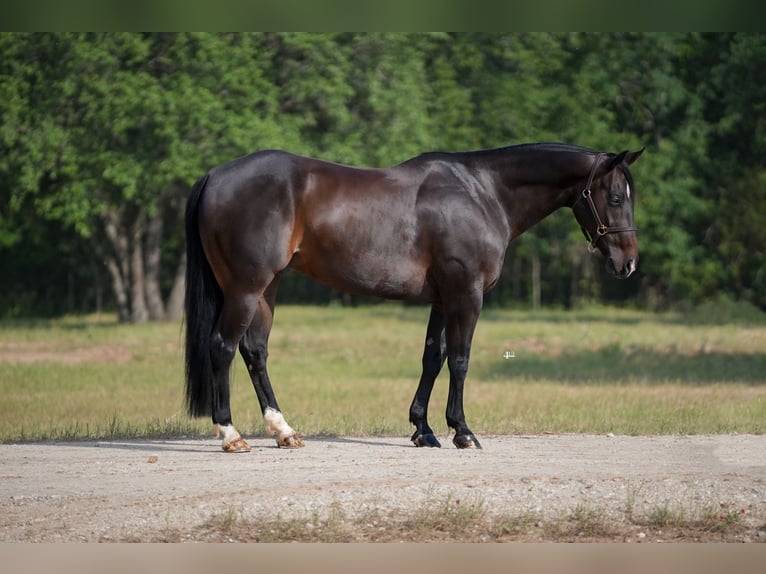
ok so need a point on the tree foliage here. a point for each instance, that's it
(102, 136)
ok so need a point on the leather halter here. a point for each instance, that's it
(601, 228)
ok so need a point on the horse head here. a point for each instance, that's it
(604, 210)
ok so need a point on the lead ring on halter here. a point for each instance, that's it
(601, 228)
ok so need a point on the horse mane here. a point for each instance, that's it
(540, 146)
(549, 146)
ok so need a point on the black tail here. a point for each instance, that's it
(202, 305)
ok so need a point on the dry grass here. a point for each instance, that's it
(453, 520)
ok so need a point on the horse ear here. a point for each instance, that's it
(627, 156)
(612, 162)
(634, 155)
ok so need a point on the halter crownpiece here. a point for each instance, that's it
(601, 228)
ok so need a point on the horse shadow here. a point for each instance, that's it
(615, 363)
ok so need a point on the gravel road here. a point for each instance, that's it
(134, 489)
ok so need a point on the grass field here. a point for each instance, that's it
(342, 371)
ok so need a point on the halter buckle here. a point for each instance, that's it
(602, 230)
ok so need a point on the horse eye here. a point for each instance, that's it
(615, 200)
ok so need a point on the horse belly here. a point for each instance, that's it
(365, 258)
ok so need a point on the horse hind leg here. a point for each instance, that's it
(254, 350)
(229, 329)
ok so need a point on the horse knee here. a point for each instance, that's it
(433, 357)
(458, 365)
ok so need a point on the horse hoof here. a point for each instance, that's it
(427, 440)
(292, 441)
(237, 445)
(466, 441)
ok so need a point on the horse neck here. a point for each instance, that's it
(532, 184)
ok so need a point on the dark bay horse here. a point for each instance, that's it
(434, 229)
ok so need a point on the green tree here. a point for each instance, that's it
(118, 126)
(391, 98)
(103, 134)
(736, 108)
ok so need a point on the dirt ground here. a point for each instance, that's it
(144, 490)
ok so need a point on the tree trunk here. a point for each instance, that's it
(517, 280)
(176, 204)
(536, 288)
(139, 312)
(175, 307)
(153, 246)
(574, 286)
(116, 261)
(585, 284)
(119, 289)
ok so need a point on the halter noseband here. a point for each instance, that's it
(601, 229)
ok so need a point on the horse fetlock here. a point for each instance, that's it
(275, 424)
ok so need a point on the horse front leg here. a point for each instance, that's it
(254, 351)
(460, 325)
(434, 354)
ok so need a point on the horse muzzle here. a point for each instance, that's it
(622, 270)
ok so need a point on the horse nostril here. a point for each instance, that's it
(630, 266)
